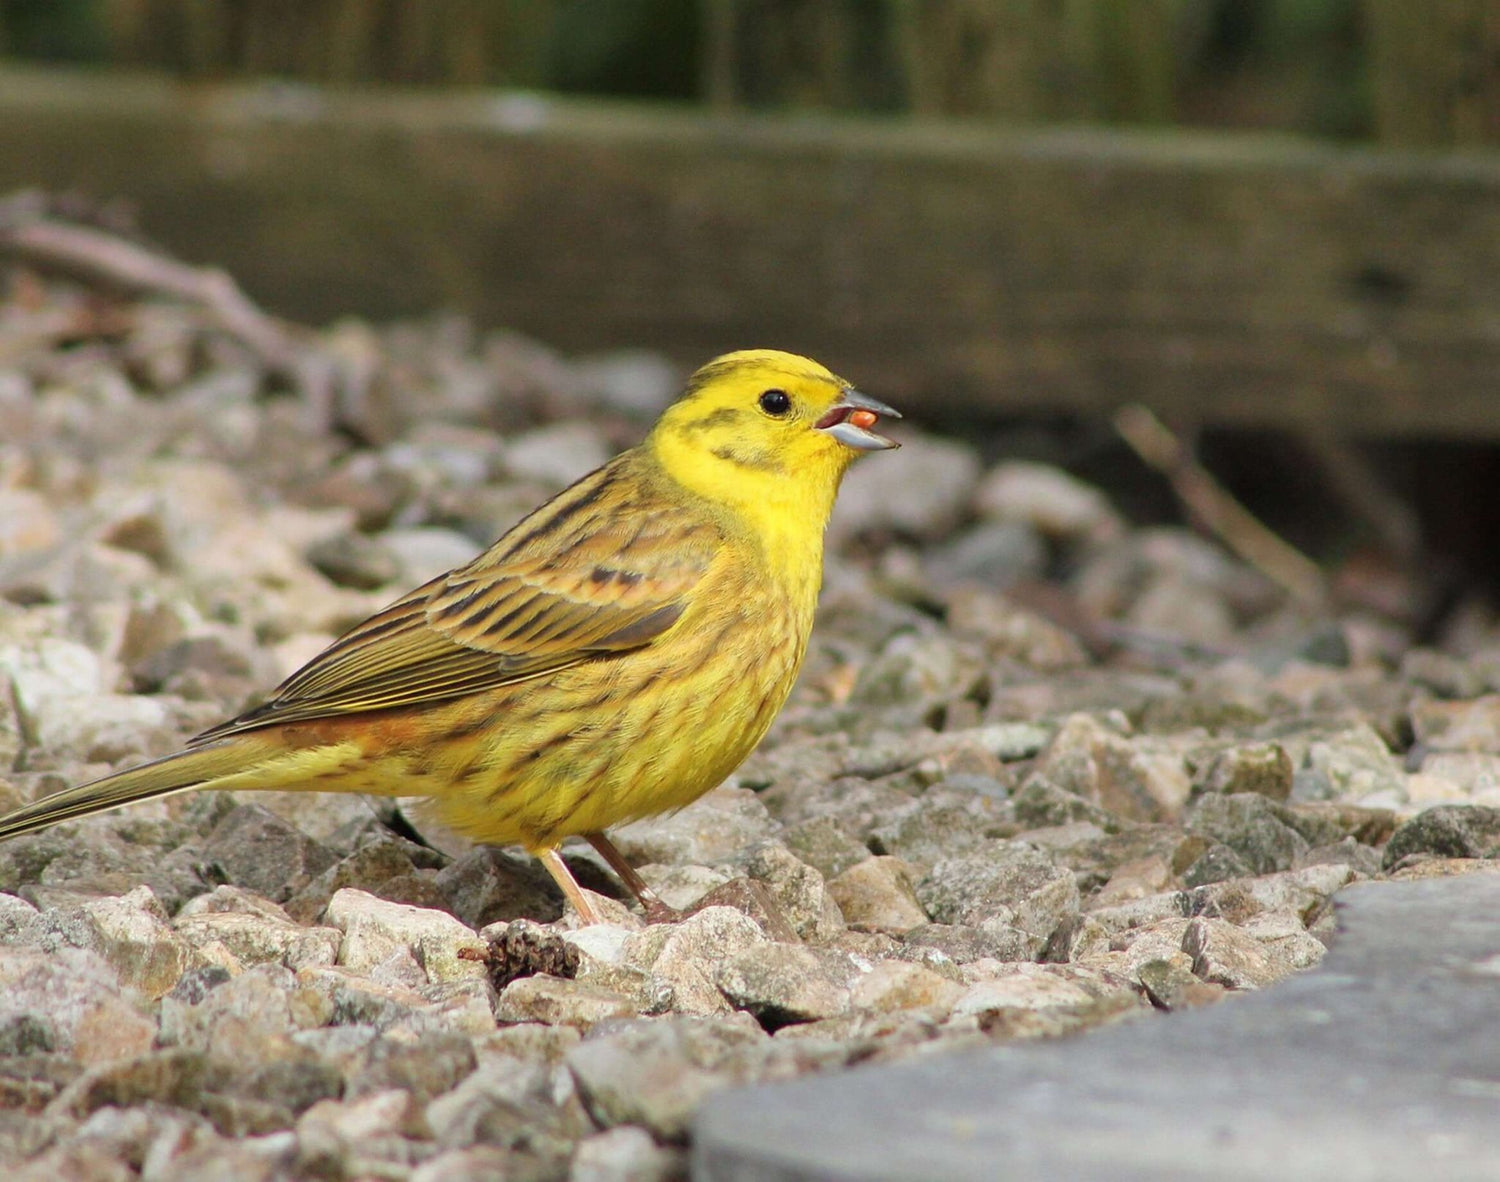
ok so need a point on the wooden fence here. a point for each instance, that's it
(1217, 278)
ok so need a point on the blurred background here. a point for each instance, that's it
(1393, 71)
(1275, 224)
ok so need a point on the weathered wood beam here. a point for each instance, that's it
(955, 267)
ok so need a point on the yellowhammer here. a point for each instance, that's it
(615, 655)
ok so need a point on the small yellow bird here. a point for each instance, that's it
(615, 655)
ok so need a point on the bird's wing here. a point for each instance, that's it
(592, 572)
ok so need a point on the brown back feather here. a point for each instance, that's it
(607, 565)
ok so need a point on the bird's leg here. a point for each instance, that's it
(561, 875)
(656, 911)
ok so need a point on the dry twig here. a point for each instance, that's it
(1212, 506)
(108, 258)
(100, 255)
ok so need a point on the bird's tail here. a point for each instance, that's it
(194, 767)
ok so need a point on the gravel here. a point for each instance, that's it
(965, 828)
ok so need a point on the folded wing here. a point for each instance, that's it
(584, 576)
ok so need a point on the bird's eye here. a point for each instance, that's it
(775, 403)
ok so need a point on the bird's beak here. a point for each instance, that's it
(850, 418)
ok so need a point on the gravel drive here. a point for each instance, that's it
(971, 825)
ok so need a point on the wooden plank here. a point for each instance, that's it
(954, 267)
(1434, 71)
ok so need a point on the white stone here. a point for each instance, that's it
(374, 928)
(557, 454)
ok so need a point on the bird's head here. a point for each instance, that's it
(764, 427)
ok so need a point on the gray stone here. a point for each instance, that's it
(1013, 633)
(350, 1138)
(131, 933)
(355, 560)
(384, 867)
(1009, 882)
(754, 900)
(1447, 831)
(783, 984)
(1467, 776)
(425, 1068)
(1227, 955)
(20, 922)
(1049, 500)
(374, 929)
(463, 1007)
(1076, 939)
(258, 850)
(556, 455)
(213, 668)
(1373, 1066)
(936, 478)
(657, 1072)
(61, 690)
(712, 829)
(486, 1163)
(894, 986)
(851, 802)
(685, 954)
(337, 820)
(424, 552)
(1446, 675)
(636, 382)
(940, 824)
(218, 1159)
(1262, 768)
(626, 1154)
(1143, 778)
(68, 1000)
(1039, 803)
(1353, 764)
(257, 1004)
(1251, 825)
(1042, 1001)
(145, 1135)
(912, 668)
(992, 554)
(1304, 893)
(488, 1100)
(489, 885)
(1458, 726)
(825, 845)
(797, 890)
(1129, 880)
(351, 999)
(1217, 863)
(239, 938)
(962, 943)
(560, 1002)
(1346, 851)
(177, 1077)
(878, 895)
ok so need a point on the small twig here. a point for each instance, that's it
(1357, 481)
(109, 258)
(1213, 507)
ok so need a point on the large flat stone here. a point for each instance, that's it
(1382, 1063)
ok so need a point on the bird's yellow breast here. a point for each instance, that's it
(614, 739)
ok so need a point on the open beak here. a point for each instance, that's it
(850, 418)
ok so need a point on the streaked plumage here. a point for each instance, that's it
(616, 654)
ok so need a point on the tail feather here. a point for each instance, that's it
(178, 772)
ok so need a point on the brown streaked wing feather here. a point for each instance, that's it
(593, 571)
